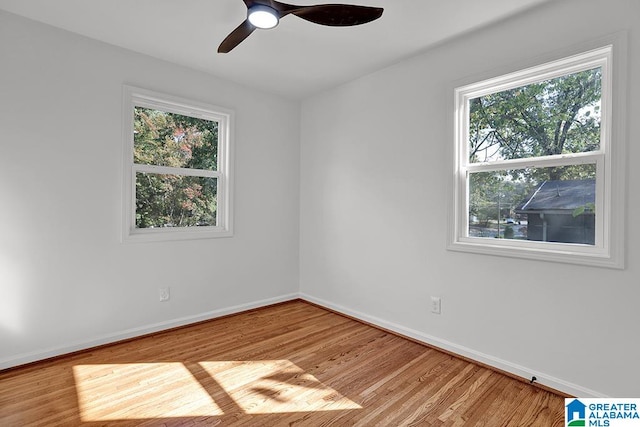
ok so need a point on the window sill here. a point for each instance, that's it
(555, 252)
(173, 234)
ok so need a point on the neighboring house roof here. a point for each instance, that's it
(560, 196)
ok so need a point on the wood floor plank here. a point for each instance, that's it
(292, 364)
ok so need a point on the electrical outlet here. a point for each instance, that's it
(164, 294)
(436, 305)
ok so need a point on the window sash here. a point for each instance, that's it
(548, 161)
(168, 170)
(601, 211)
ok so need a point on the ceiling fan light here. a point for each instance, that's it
(262, 16)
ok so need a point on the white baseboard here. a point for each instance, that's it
(22, 359)
(512, 368)
(503, 365)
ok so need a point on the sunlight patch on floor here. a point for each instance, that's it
(133, 391)
(275, 386)
(140, 391)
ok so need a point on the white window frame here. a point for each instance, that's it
(609, 159)
(137, 97)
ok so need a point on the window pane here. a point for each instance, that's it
(556, 116)
(175, 200)
(174, 140)
(553, 204)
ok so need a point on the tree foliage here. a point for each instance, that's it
(556, 116)
(177, 141)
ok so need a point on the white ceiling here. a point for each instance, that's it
(294, 60)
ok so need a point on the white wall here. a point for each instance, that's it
(375, 167)
(371, 172)
(66, 280)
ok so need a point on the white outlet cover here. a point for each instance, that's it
(435, 305)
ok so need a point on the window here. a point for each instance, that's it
(533, 175)
(177, 168)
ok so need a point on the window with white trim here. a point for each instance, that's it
(533, 162)
(177, 182)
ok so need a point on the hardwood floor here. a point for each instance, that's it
(292, 364)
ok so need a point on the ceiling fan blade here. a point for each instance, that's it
(338, 15)
(236, 36)
(334, 15)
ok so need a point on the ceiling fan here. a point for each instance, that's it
(265, 14)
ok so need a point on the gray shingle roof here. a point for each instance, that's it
(560, 196)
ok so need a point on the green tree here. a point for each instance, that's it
(177, 141)
(556, 116)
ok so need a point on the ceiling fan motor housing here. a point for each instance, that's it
(263, 16)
